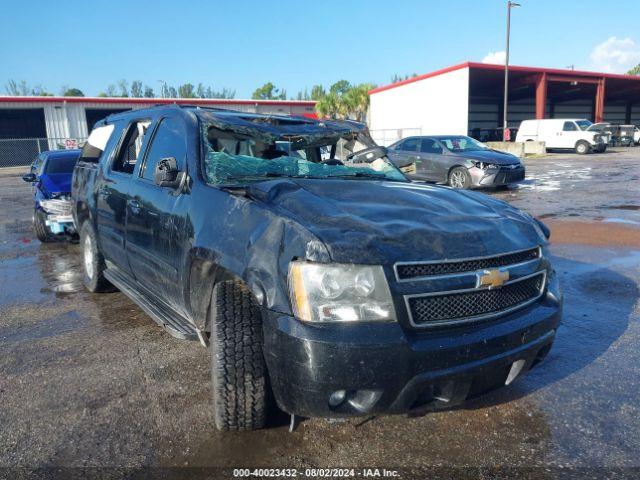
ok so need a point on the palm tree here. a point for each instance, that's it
(346, 101)
(357, 100)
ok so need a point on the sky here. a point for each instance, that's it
(242, 44)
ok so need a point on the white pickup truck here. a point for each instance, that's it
(562, 133)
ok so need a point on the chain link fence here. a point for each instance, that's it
(19, 152)
(386, 137)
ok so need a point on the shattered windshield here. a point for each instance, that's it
(231, 157)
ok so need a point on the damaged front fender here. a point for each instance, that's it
(243, 240)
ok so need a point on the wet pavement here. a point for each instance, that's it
(88, 380)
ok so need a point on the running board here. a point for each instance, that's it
(175, 324)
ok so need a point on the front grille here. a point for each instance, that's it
(416, 270)
(466, 305)
(510, 176)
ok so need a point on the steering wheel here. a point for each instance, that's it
(332, 161)
(368, 155)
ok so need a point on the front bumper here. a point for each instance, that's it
(496, 177)
(59, 224)
(385, 368)
(58, 215)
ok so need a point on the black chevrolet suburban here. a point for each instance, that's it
(317, 275)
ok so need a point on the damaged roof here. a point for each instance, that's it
(269, 127)
(276, 126)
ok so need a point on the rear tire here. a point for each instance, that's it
(582, 147)
(459, 178)
(40, 227)
(93, 264)
(238, 370)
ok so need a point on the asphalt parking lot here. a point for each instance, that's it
(88, 380)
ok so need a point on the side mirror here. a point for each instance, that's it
(29, 177)
(167, 174)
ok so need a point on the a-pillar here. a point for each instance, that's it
(541, 95)
(600, 91)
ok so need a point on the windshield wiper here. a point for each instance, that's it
(359, 175)
(264, 175)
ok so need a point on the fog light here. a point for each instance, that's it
(337, 397)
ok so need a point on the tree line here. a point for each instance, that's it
(341, 100)
(124, 89)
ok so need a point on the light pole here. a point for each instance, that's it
(506, 135)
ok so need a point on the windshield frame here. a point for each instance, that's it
(582, 122)
(473, 141)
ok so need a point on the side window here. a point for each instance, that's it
(410, 145)
(168, 141)
(125, 161)
(569, 127)
(430, 146)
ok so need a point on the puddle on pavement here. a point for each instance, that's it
(60, 268)
(622, 207)
(47, 328)
(620, 220)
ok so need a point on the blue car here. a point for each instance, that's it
(50, 174)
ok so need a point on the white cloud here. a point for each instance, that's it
(615, 55)
(498, 58)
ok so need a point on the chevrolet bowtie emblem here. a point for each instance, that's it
(493, 278)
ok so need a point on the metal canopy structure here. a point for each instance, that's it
(549, 87)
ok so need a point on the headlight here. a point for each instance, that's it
(541, 229)
(486, 166)
(339, 293)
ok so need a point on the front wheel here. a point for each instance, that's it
(93, 264)
(238, 370)
(459, 178)
(40, 226)
(582, 148)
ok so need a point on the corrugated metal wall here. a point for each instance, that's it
(582, 108)
(615, 113)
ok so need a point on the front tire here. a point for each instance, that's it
(40, 227)
(93, 264)
(459, 178)
(238, 370)
(582, 147)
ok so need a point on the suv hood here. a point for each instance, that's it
(491, 156)
(382, 222)
(56, 183)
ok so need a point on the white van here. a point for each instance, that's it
(562, 133)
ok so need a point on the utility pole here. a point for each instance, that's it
(506, 135)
